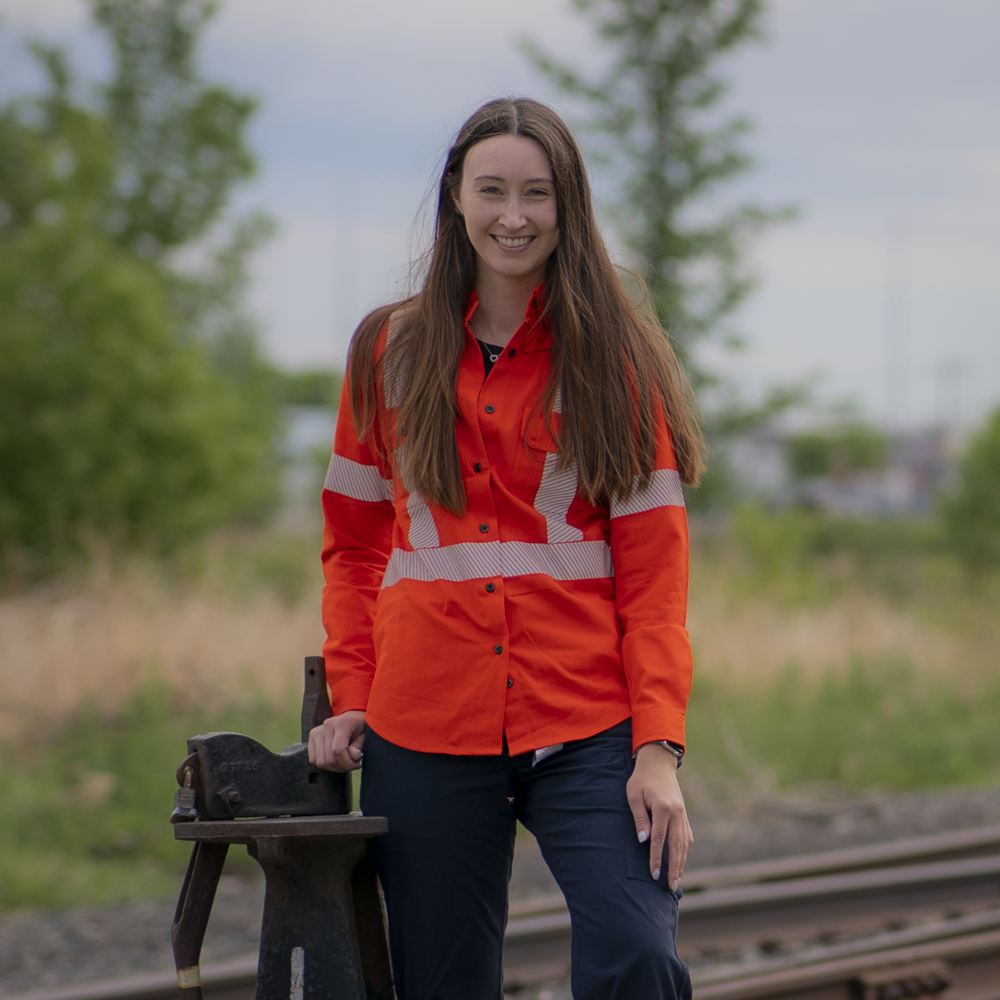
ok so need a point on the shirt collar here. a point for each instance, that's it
(536, 302)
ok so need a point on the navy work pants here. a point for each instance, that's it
(445, 865)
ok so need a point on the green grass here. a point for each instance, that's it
(85, 818)
(876, 723)
(84, 812)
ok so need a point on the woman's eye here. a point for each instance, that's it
(490, 190)
(539, 193)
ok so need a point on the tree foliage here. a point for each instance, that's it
(181, 144)
(653, 113)
(133, 400)
(836, 451)
(972, 510)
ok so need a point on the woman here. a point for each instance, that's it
(506, 565)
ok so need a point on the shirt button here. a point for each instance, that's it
(490, 408)
(490, 587)
(510, 682)
(484, 528)
(511, 353)
(478, 467)
(498, 650)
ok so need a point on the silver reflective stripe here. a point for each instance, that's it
(567, 561)
(554, 497)
(352, 479)
(480, 560)
(392, 375)
(664, 490)
(423, 531)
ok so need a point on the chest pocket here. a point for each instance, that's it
(534, 443)
(539, 460)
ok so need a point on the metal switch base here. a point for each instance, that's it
(323, 933)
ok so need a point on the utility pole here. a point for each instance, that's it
(897, 326)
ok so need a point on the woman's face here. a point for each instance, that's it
(508, 201)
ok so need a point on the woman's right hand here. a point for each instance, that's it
(337, 744)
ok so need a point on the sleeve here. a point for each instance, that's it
(649, 549)
(358, 517)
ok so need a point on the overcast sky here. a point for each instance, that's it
(880, 119)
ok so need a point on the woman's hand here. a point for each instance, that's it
(657, 805)
(337, 744)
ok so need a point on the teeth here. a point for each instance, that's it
(515, 241)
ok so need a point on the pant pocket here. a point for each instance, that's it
(637, 860)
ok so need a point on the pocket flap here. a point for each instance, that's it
(536, 434)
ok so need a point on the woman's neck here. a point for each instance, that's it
(503, 302)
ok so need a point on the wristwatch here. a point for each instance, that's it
(675, 748)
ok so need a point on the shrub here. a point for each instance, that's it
(971, 513)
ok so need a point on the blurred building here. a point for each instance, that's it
(909, 474)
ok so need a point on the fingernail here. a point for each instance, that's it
(656, 874)
(643, 836)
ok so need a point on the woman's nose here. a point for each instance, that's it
(513, 215)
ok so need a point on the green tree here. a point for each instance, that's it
(311, 387)
(181, 142)
(133, 399)
(653, 114)
(654, 117)
(836, 450)
(971, 511)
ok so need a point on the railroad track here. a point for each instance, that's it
(913, 918)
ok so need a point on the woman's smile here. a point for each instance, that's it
(512, 242)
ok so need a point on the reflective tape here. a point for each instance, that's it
(481, 560)
(664, 490)
(423, 531)
(352, 479)
(554, 497)
(393, 383)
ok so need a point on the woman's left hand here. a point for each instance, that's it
(657, 805)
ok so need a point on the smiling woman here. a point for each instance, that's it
(508, 201)
(506, 580)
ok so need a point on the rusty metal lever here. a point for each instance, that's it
(191, 916)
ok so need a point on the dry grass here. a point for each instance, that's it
(807, 671)
(754, 637)
(97, 638)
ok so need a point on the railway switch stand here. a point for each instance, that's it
(323, 934)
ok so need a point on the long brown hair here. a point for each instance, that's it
(612, 362)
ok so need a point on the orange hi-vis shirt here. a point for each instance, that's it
(534, 613)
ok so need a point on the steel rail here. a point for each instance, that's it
(967, 966)
(721, 977)
(785, 913)
(977, 842)
(782, 904)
